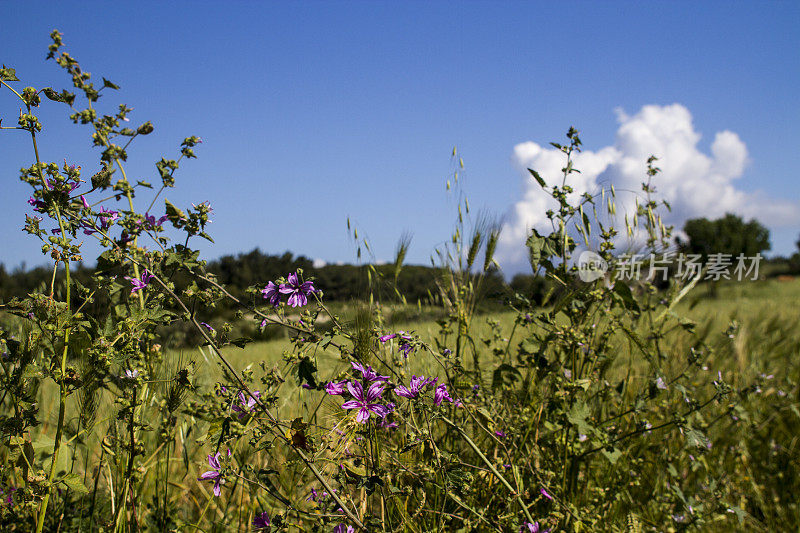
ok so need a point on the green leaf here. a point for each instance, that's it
(536, 244)
(577, 416)
(102, 179)
(505, 375)
(175, 215)
(74, 483)
(624, 292)
(8, 74)
(537, 177)
(305, 372)
(241, 342)
(63, 96)
(109, 84)
(613, 455)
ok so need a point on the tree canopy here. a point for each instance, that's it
(727, 235)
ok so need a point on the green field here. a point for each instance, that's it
(752, 328)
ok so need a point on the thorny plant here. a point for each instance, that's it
(549, 428)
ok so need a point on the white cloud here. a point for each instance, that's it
(319, 263)
(694, 183)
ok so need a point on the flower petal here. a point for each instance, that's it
(374, 392)
(356, 390)
(363, 415)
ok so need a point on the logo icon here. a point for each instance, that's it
(591, 266)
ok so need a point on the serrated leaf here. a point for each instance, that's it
(577, 416)
(74, 483)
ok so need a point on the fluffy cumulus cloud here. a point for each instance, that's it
(696, 184)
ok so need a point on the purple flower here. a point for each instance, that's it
(545, 494)
(139, 284)
(261, 521)
(213, 462)
(441, 395)
(368, 373)
(297, 291)
(414, 387)
(385, 424)
(365, 402)
(271, 293)
(406, 348)
(107, 216)
(153, 223)
(207, 326)
(342, 528)
(335, 389)
(532, 528)
(500, 434)
(405, 345)
(247, 403)
(38, 205)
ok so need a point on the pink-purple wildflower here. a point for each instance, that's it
(140, 283)
(261, 521)
(246, 403)
(336, 389)
(38, 205)
(368, 373)
(365, 402)
(214, 474)
(272, 293)
(298, 292)
(415, 387)
(534, 527)
(343, 528)
(152, 223)
(441, 395)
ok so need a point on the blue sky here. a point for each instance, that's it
(313, 112)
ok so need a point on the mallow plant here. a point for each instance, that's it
(591, 412)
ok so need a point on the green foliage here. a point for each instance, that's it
(727, 235)
(584, 406)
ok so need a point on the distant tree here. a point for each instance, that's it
(727, 235)
(794, 260)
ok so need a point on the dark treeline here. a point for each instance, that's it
(340, 283)
(346, 282)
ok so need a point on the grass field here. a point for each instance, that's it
(753, 328)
